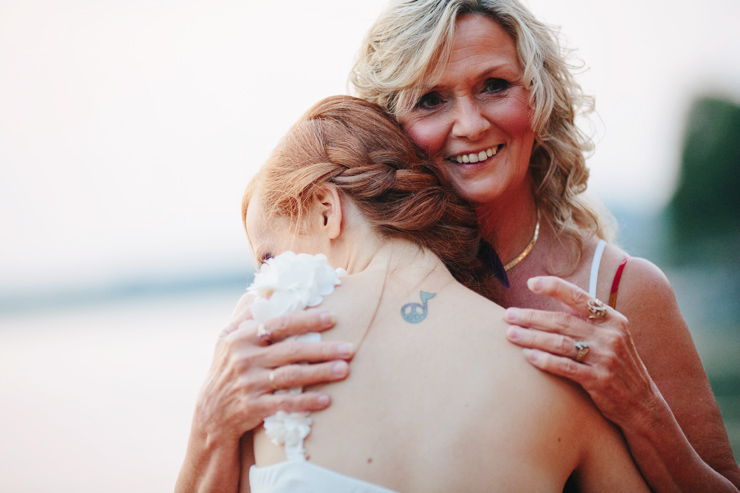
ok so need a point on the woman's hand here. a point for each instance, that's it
(665, 405)
(610, 370)
(248, 366)
(237, 395)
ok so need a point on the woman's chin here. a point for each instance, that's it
(479, 193)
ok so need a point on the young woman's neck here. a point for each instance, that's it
(396, 255)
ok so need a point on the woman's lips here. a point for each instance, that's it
(475, 157)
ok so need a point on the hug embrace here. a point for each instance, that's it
(447, 369)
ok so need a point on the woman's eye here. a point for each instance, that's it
(429, 101)
(496, 85)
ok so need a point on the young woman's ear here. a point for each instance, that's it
(329, 207)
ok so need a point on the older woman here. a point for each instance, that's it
(347, 183)
(482, 85)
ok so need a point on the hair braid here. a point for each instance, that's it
(359, 148)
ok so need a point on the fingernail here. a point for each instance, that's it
(323, 399)
(511, 314)
(345, 349)
(339, 368)
(328, 319)
(534, 283)
(513, 333)
(530, 354)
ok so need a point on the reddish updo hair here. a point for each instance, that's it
(358, 147)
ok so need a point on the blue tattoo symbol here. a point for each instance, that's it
(414, 312)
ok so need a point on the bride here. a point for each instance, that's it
(347, 183)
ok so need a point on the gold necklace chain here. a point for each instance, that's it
(527, 248)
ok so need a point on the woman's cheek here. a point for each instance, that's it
(518, 115)
(429, 135)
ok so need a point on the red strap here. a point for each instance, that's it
(615, 284)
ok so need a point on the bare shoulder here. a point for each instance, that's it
(646, 298)
(655, 323)
(664, 343)
(641, 288)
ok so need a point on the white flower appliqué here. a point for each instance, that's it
(292, 282)
(288, 283)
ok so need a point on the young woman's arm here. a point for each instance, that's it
(238, 391)
(661, 398)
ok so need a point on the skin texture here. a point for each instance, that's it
(642, 370)
(387, 424)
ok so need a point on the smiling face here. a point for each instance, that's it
(477, 119)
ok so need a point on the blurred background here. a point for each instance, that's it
(128, 131)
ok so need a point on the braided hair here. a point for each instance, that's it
(358, 147)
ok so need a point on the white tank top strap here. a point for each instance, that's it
(595, 268)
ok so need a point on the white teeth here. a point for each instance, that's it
(475, 157)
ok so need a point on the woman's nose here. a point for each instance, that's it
(470, 122)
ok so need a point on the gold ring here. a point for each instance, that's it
(582, 347)
(262, 333)
(597, 309)
(272, 380)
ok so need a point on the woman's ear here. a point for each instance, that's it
(329, 207)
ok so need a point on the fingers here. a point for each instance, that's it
(279, 328)
(290, 376)
(292, 324)
(559, 365)
(291, 352)
(563, 291)
(534, 339)
(557, 322)
(293, 403)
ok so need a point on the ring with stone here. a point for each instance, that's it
(262, 333)
(596, 309)
(582, 347)
(272, 380)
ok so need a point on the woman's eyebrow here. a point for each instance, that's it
(495, 69)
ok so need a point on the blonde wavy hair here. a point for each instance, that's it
(404, 54)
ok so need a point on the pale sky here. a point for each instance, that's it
(128, 130)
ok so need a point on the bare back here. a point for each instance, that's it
(406, 419)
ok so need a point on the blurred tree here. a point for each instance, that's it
(705, 211)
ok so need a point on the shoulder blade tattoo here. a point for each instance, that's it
(414, 313)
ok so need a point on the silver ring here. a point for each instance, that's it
(272, 380)
(262, 333)
(582, 347)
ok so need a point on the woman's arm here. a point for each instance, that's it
(661, 398)
(238, 392)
